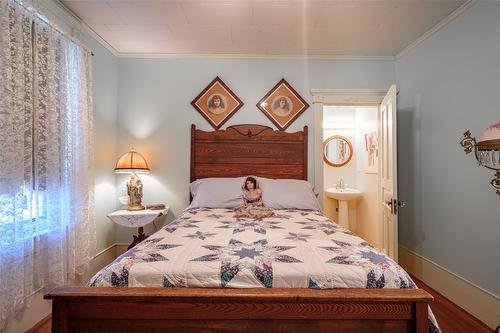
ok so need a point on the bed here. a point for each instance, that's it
(181, 279)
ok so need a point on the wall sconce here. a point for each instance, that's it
(487, 150)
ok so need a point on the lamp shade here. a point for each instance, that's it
(490, 139)
(132, 161)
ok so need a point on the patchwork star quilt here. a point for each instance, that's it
(294, 249)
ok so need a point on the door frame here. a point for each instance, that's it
(338, 97)
(390, 182)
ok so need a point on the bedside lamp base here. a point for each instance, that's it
(136, 207)
(134, 191)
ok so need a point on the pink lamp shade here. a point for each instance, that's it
(132, 161)
(487, 150)
(490, 139)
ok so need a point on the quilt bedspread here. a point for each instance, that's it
(294, 249)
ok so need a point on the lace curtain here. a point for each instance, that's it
(47, 231)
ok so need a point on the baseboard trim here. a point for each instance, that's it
(120, 248)
(112, 246)
(480, 303)
(35, 315)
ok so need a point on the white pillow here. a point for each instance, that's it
(288, 194)
(217, 192)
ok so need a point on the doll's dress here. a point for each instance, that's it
(253, 207)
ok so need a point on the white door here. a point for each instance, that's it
(388, 175)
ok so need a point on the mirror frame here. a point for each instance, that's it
(325, 144)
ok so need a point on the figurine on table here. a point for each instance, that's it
(134, 191)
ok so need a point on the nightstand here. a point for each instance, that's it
(136, 219)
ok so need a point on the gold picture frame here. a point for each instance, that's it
(282, 105)
(342, 152)
(217, 103)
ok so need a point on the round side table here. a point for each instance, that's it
(136, 219)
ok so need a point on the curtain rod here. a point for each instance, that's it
(46, 20)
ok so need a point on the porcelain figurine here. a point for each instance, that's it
(134, 191)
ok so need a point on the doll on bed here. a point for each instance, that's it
(252, 207)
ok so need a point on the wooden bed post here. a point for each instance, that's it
(193, 141)
(59, 316)
(305, 151)
(421, 317)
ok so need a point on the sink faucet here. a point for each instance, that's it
(340, 184)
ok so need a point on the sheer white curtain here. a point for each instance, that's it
(47, 233)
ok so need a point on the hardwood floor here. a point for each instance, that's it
(43, 326)
(450, 317)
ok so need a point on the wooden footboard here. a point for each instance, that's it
(187, 310)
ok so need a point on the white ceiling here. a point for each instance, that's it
(262, 27)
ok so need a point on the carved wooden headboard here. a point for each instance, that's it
(242, 150)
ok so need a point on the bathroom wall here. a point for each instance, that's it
(367, 212)
(338, 121)
(353, 123)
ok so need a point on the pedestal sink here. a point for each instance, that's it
(343, 195)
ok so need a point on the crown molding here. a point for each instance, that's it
(254, 56)
(78, 23)
(457, 12)
(84, 27)
(100, 40)
(57, 7)
(58, 13)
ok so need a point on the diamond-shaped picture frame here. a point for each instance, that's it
(217, 103)
(282, 105)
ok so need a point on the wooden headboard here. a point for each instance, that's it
(242, 150)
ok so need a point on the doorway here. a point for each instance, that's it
(351, 163)
(380, 207)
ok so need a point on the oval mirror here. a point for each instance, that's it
(337, 151)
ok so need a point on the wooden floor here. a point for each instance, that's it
(451, 318)
(43, 326)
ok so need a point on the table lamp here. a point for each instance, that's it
(133, 163)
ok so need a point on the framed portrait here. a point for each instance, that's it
(282, 105)
(371, 152)
(217, 103)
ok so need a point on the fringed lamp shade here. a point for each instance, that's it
(490, 139)
(132, 161)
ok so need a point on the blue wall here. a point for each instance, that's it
(105, 89)
(155, 114)
(447, 84)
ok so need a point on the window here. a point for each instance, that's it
(46, 179)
